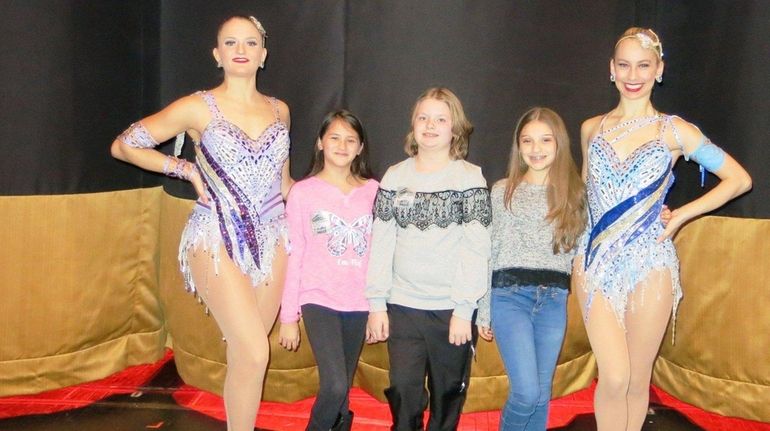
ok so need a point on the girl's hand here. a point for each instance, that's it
(459, 331)
(677, 219)
(288, 336)
(665, 216)
(197, 183)
(377, 327)
(486, 333)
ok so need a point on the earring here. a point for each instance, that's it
(612, 77)
(659, 78)
(219, 64)
(262, 65)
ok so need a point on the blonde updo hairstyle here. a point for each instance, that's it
(647, 38)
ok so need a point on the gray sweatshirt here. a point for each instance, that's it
(430, 244)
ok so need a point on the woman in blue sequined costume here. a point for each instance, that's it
(627, 275)
(233, 249)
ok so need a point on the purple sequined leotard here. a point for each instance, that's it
(625, 199)
(242, 177)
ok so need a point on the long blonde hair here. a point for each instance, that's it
(566, 191)
(461, 127)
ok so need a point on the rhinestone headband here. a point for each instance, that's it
(646, 42)
(259, 26)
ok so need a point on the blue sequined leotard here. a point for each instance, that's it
(242, 177)
(625, 199)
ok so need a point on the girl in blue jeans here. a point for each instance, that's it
(539, 212)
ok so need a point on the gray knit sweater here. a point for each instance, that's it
(521, 237)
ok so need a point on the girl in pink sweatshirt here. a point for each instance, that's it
(329, 215)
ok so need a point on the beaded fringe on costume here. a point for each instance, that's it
(617, 277)
(202, 234)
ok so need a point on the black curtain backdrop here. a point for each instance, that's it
(72, 74)
(75, 73)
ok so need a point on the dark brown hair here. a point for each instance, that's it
(360, 167)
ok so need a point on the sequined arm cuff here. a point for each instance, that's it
(181, 168)
(137, 136)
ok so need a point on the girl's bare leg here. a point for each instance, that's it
(245, 315)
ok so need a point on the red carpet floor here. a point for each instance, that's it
(370, 413)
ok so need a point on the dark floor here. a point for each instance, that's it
(154, 408)
(158, 411)
(662, 419)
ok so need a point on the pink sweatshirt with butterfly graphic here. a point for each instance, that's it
(330, 234)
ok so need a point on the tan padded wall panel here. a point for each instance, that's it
(84, 277)
(720, 360)
(79, 288)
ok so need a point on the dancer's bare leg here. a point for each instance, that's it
(269, 293)
(245, 315)
(608, 342)
(646, 326)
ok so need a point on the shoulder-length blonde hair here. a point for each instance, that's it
(461, 127)
(566, 192)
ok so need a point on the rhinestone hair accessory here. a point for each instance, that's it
(259, 26)
(645, 41)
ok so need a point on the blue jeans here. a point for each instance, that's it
(529, 324)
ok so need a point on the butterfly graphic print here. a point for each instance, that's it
(343, 234)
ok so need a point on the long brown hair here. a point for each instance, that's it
(566, 192)
(360, 167)
(461, 127)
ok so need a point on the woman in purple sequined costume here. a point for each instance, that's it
(233, 249)
(627, 274)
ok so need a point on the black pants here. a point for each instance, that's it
(419, 345)
(336, 338)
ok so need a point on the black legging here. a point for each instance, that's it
(336, 338)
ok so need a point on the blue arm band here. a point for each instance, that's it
(709, 157)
